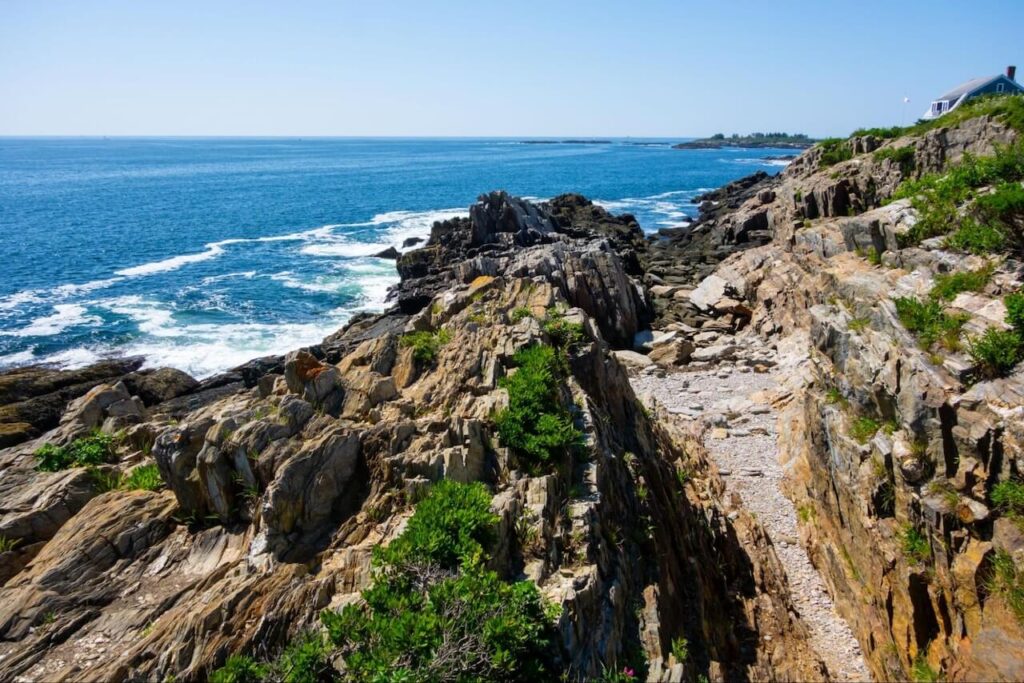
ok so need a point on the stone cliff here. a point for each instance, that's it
(888, 280)
(212, 524)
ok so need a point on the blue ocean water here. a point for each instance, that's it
(204, 253)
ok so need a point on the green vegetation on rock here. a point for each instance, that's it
(87, 451)
(240, 669)
(425, 344)
(915, 544)
(435, 613)
(948, 285)
(930, 323)
(996, 352)
(1007, 581)
(834, 151)
(536, 425)
(143, 478)
(902, 156)
(864, 429)
(989, 222)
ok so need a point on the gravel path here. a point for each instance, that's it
(733, 399)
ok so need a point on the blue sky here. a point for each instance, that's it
(401, 67)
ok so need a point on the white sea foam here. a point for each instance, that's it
(213, 250)
(63, 317)
(20, 298)
(18, 358)
(152, 317)
(342, 248)
(246, 275)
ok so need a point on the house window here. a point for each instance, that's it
(1000, 87)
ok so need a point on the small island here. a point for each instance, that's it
(754, 140)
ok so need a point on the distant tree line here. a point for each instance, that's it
(762, 136)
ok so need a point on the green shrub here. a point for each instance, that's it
(87, 451)
(305, 660)
(835, 397)
(834, 151)
(536, 425)
(902, 156)
(425, 345)
(884, 133)
(938, 196)
(143, 478)
(1015, 311)
(447, 620)
(996, 352)
(8, 544)
(863, 429)
(1008, 496)
(929, 322)
(915, 544)
(563, 334)
(520, 313)
(240, 669)
(858, 324)
(977, 238)
(922, 672)
(1007, 581)
(452, 526)
(947, 286)
(680, 649)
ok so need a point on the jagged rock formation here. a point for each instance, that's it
(892, 451)
(283, 476)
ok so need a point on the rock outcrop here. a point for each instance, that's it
(280, 483)
(887, 446)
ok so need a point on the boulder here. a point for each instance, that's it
(709, 292)
(162, 384)
(632, 359)
(676, 352)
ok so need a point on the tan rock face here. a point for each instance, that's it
(278, 493)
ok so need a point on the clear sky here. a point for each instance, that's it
(477, 67)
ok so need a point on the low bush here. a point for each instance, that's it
(948, 285)
(834, 151)
(915, 544)
(240, 669)
(1007, 581)
(902, 156)
(1008, 496)
(1015, 311)
(143, 478)
(536, 425)
(996, 352)
(986, 224)
(930, 323)
(448, 620)
(88, 451)
(563, 334)
(864, 429)
(520, 313)
(976, 238)
(884, 133)
(451, 527)
(305, 660)
(425, 344)
(922, 672)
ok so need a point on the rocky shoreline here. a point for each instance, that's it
(697, 376)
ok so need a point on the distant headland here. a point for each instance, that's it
(784, 140)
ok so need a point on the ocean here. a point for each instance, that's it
(202, 253)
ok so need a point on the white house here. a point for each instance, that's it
(976, 87)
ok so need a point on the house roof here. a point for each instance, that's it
(967, 87)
